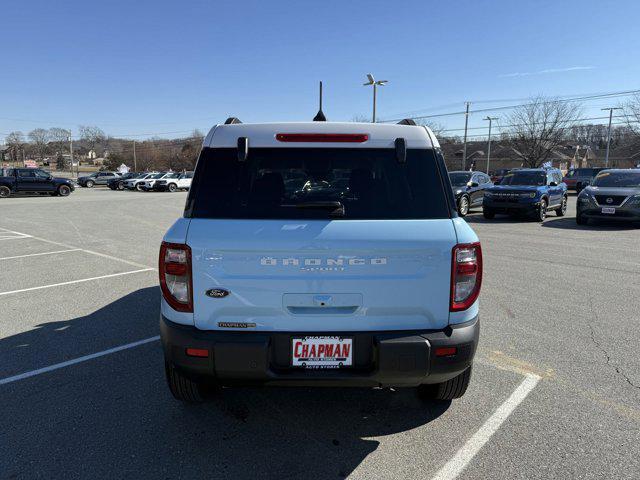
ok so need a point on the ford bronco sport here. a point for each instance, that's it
(320, 254)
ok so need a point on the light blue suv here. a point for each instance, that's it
(320, 254)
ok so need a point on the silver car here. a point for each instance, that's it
(614, 194)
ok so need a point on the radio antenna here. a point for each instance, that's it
(320, 116)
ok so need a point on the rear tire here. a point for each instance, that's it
(172, 187)
(449, 390)
(64, 190)
(186, 390)
(139, 187)
(5, 191)
(563, 207)
(120, 186)
(488, 214)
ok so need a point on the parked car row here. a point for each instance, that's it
(534, 192)
(145, 181)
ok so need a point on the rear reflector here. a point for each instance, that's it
(197, 352)
(446, 351)
(323, 137)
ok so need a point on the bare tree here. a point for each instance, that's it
(92, 135)
(631, 112)
(539, 127)
(59, 139)
(15, 142)
(361, 119)
(39, 138)
(437, 128)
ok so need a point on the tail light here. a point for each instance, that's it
(175, 276)
(466, 275)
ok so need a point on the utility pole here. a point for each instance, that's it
(489, 141)
(135, 162)
(464, 148)
(611, 109)
(71, 153)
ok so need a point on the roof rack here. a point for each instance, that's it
(407, 121)
(232, 121)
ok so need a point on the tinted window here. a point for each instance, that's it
(459, 179)
(523, 177)
(617, 179)
(41, 174)
(321, 183)
(26, 173)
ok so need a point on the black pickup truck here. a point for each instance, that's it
(32, 180)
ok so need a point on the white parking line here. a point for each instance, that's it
(39, 254)
(60, 244)
(15, 237)
(461, 459)
(75, 281)
(75, 361)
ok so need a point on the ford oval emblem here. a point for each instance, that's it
(217, 293)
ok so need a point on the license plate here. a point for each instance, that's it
(322, 352)
(608, 210)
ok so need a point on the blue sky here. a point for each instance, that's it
(141, 67)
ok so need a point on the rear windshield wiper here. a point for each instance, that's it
(336, 208)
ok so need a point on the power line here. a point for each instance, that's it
(482, 135)
(508, 107)
(536, 123)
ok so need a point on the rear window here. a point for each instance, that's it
(320, 183)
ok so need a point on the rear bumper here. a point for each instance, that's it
(402, 358)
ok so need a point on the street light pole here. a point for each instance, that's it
(375, 83)
(375, 88)
(489, 141)
(611, 109)
(464, 148)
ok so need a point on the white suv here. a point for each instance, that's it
(148, 183)
(320, 254)
(136, 183)
(174, 182)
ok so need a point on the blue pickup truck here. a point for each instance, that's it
(528, 191)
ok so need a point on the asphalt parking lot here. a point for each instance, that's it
(555, 392)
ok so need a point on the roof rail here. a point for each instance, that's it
(232, 121)
(407, 121)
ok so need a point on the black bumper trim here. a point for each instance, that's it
(388, 358)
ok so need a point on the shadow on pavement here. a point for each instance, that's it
(113, 417)
(479, 219)
(597, 225)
